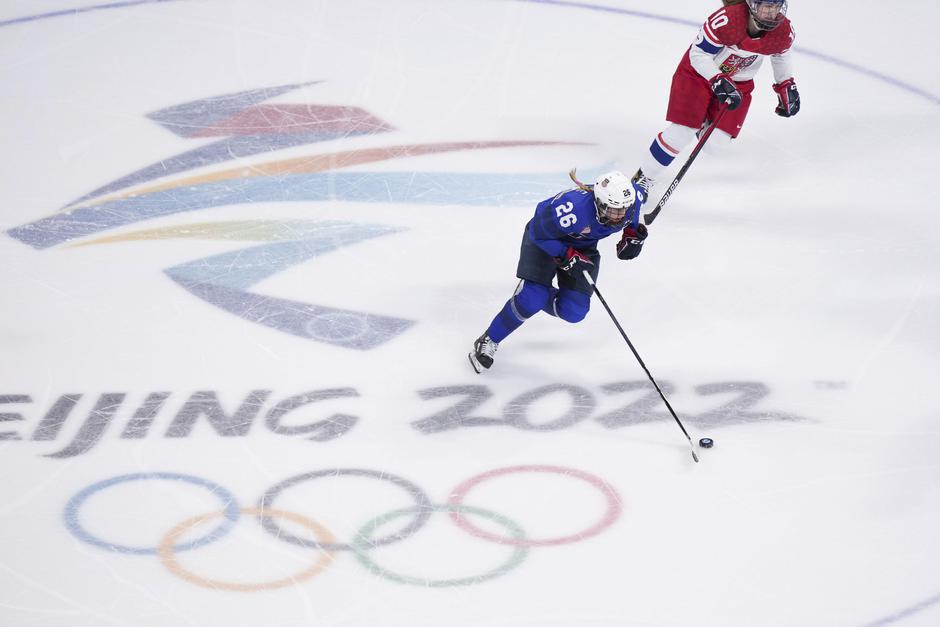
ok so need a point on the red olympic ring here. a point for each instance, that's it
(614, 506)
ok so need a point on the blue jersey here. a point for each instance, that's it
(570, 219)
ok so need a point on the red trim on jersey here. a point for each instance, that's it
(665, 145)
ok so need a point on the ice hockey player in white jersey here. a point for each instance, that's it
(719, 68)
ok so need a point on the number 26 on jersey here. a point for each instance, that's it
(565, 217)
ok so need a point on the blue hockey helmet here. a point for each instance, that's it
(767, 14)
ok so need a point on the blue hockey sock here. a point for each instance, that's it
(526, 302)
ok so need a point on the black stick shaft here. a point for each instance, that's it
(587, 275)
(648, 218)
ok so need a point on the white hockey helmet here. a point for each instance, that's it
(614, 196)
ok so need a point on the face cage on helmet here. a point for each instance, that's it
(768, 24)
(602, 214)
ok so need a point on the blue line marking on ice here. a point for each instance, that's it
(890, 80)
(871, 73)
(597, 7)
(902, 614)
(97, 7)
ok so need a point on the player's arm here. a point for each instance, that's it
(721, 29)
(717, 32)
(788, 97)
(782, 65)
(703, 52)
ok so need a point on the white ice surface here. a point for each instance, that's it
(805, 260)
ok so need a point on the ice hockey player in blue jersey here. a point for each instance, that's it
(561, 241)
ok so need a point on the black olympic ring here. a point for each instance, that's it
(362, 544)
(423, 507)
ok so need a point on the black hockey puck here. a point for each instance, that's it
(706, 442)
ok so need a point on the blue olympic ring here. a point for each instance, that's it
(73, 507)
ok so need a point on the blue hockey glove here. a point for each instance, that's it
(573, 262)
(788, 98)
(631, 243)
(723, 88)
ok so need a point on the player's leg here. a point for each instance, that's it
(730, 125)
(717, 144)
(572, 305)
(663, 151)
(536, 270)
(689, 100)
(528, 299)
(572, 300)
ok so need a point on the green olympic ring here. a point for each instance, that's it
(363, 544)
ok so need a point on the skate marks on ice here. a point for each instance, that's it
(503, 540)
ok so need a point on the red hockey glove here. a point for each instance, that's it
(788, 97)
(574, 262)
(726, 92)
(631, 243)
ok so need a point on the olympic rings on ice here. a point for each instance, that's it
(363, 544)
(422, 505)
(612, 513)
(322, 542)
(168, 553)
(73, 508)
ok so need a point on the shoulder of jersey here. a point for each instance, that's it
(577, 193)
(728, 25)
(780, 39)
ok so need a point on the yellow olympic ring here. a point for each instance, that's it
(167, 552)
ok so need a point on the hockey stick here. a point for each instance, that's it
(587, 275)
(648, 218)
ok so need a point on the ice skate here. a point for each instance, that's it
(642, 181)
(481, 357)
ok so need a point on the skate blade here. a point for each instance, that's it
(477, 366)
